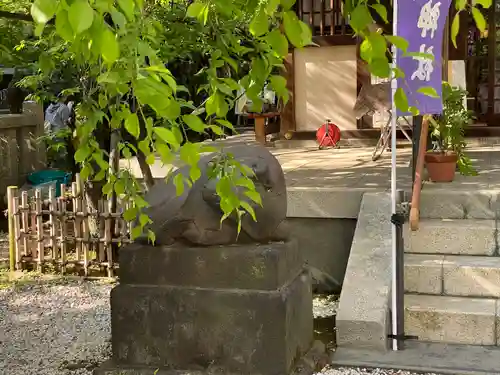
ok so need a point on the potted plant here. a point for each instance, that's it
(447, 134)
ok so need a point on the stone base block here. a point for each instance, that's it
(314, 361)
(239, 330)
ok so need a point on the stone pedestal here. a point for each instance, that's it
(233, 310)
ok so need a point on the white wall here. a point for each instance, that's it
(325, 87)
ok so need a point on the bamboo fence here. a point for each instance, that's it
(55, 232)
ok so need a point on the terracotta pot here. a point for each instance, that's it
(441, 167)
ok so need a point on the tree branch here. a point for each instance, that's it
(16, 16)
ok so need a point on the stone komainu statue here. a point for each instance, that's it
(194, 217)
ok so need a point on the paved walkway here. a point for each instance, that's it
(352, 168)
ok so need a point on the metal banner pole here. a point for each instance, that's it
(394, 86)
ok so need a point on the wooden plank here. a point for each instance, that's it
(25, 223)
(334, 40)
(13, 249)
(62, 221)
(322, 19)
(332, 16)
(39, 230)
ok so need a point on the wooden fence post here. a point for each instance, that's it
(11, 194)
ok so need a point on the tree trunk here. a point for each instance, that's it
(145, 169)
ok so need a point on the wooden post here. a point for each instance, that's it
(17, 233)
(52, 223)
(417, 184)
(11, 194)
(85, 229)
(39, 230)
(108, 240)
(62, 221)
(25, 223)
(260, 129)
(76, 210)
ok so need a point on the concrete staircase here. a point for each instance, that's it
(452, 282)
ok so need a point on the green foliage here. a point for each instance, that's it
(119, 57)
(447, 130)
(374, 49)
(156, 70)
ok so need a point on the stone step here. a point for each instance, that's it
(454, 320)
(457, 237)
(469, 202)
(453, 275)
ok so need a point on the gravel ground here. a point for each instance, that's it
(48, 329)
(63, 328)
(341, 371)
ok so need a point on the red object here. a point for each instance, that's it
(328, 135)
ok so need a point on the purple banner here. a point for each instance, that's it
(421, 23)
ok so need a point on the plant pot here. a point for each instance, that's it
(441, 166)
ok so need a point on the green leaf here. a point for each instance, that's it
(421, 55)
(63, 28)
(127, 6)
(278, 42)
(271, 6)
(217, 104)
(166, 136)
(225, 123)
(479, 19)
(398, 73)
(152, 238)
(224, 88)
(119, 19)
(428, 91)
(190, 153)
(259, 24)
(39, 29)
(381, 10)
(132, 125)
(305, 33)
(81, 16)
(249, 209)
(455, 26)
(144, 220)
(484, 3)
(414, 111)
(378, 45)
(253, 195)
(216, 129)
(119, 187)
(278, 84)
(245, 182)
(287, 4)
(401, 100)
(360, 17)
(380, 67)
(194, 173)
(195, 9)
(136, 232)
(400, 42)
(43, 10)
(179, 184)
(223, 187)
(110, 50)
(365, 50)
(293, 29)
(82, 154)
(460, 4)
(130, 214)
(103, 100)
(194, 122)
